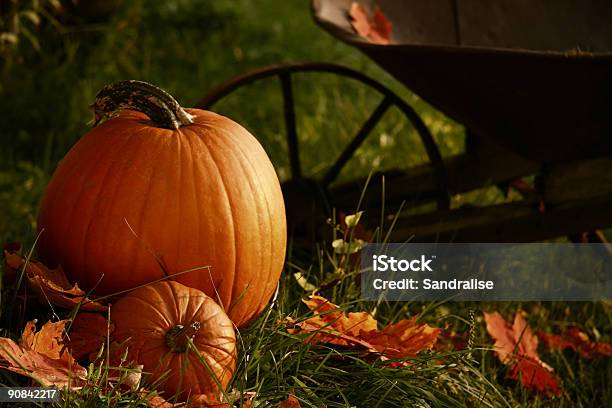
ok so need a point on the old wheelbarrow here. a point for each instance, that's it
(531, 81)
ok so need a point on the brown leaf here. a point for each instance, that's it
(405, 338)
(52, 285)
(329, 313)
(376, 28)
(42, 356)
(577, 340)
(89, 331)
(516, 346)
(49, 341)
(290, 402)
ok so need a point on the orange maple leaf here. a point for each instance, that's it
(42, 356)
(329, 324)
(577, 340)
(89, 331)
(49, 341)
(376, 28)
(51, 285)
(516, 346)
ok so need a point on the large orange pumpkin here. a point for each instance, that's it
(144, 195)
(158, 322)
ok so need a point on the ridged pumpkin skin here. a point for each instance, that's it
(144, 317)
(130, 196)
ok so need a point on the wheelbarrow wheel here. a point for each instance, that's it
(308, 198)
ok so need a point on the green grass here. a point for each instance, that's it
(188, 47)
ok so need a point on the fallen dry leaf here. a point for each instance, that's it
(405, 338)
(89, 331)
(376, 28)
(516, 346)
(290, 402)
(42, 356)
(51, 285)
(49, 341)
(577, 340)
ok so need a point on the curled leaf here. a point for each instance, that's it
(51, 285)
(352, 220)
(303, 282)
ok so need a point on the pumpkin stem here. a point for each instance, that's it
(161, 107)
(178, 337)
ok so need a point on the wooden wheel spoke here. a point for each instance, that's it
(363, 132)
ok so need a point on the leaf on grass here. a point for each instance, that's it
(49, 341)
(517, 346)
(51, 285)
(376, 28)
(43, 357)
(577, 340)
(290, 402)
(88, 333)
(405, 338)
(329, 314)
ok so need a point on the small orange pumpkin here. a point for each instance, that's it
(166, 190)
(158, 322)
